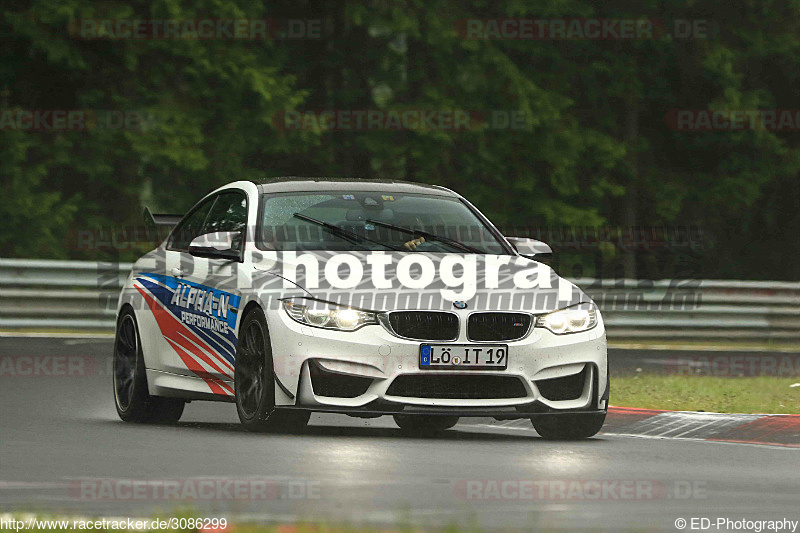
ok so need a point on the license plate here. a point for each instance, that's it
(463, 356)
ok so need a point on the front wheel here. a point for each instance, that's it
(131, 397)
(254, 380)
(425, 423)
(568, 426)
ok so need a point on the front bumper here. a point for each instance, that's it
(369, 361)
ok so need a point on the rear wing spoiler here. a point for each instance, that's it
(169, 221)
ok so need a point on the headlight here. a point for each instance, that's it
(580, 317)
(328, 316)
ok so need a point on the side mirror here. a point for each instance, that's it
(219, 245)
(532, 249)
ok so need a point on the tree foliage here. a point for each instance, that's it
(596, 149)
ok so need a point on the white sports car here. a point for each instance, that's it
(367, 298)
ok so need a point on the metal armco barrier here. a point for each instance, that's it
(71, 295)
(699, 309)
(78, 295)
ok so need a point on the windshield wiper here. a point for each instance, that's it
(429, 236)
(348, 236)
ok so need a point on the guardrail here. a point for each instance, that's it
(47, 295)
(42, 294)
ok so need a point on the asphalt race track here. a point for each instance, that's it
(57, 432)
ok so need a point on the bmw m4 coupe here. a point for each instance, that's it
(368, 298)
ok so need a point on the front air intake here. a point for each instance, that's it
(424, 325)
(498, 326)
(336, 385)
(566, 388)
(457, 387)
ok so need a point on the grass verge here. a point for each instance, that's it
(708, 393)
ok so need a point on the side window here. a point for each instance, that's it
(190, 227)
(229, 213)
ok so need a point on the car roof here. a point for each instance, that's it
(300, 184)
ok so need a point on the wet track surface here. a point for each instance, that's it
(60, 434)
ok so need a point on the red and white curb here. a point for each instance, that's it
(775, 430)
(764, 429)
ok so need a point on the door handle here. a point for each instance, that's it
(177, 272)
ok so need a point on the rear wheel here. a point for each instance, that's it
(254, 381)
(425, 423)
(569, 426)
(131, 397)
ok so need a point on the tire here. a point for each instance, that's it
(569, 426)
(425, 423)
(254, 381)
(131, 397)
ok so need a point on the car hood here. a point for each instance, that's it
(520, 285)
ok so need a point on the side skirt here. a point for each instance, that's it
(189, 388)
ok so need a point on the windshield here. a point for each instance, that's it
(372, 221)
